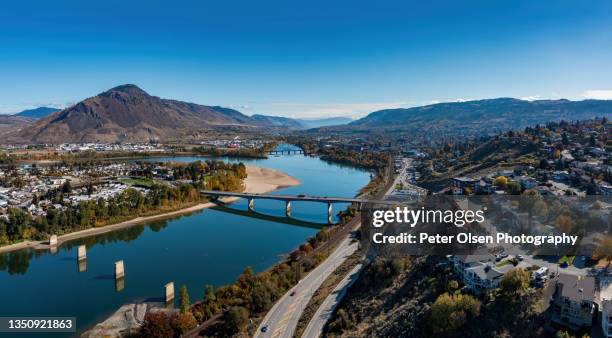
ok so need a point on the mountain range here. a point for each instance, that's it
(128, 114)
(519, 111)
(469, 118)
(37, 113)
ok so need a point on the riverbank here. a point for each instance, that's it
(259, 181)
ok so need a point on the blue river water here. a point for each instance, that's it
(205, 247)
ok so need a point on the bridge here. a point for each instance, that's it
(287, 199)
(285, 151)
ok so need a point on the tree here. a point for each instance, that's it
(515, 282)
(237, 318)
(184, 299)
(450, 312)
(603, 249)
(563, 334)
(184, 322)
(513, 188)
(66, 187)
(156, 325)
(501, 181)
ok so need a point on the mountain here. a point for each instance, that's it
(330, 121)
(501, 112)
(37, 113)
(279, 121)
(296, 124)
(13, 123)
(128, 114)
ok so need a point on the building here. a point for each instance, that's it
(606, 317)
(573, 303)
(605, 189)
(465, 182)
(477, 272)
(527, 182)
(605, 301)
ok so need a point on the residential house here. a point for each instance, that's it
(573, 303)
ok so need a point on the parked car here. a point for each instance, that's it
(520, 257)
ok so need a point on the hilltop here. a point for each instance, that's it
(126, 114)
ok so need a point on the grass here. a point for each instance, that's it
(502, 263)
(139, 182)
(568, 259)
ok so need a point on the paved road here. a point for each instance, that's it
(324, 312)
(282, 319)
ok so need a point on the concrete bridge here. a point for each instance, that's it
(287, 199)
(285, 151)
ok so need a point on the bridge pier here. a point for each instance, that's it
(288, 208)
(251, 204)
(329, 213)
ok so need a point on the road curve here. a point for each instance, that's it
(282, 319)
(324, 312)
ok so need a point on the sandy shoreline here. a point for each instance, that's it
(259, 181)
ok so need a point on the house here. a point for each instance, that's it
(605, 189)
(527, 182)
(573, 303)
(477, 272)
(465, 182)
(560, 175)
(605, 300)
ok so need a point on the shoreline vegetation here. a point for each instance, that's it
(259, 180)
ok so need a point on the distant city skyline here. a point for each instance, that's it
(308, 59)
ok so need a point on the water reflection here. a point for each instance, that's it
(18, 262)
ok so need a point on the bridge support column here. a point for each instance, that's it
(82, 253)
(251, 204)
(359, 206)
(119, 270)
(169, 293)
(288, 208)
(329, 213)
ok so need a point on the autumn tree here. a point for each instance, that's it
(156, 325)
(501, 181)
(515, 282)
(184, 299)
(237, 317)
(450, 312)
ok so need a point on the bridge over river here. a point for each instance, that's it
(289, 198)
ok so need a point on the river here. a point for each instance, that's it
(206, 247)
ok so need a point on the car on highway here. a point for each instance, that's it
(301, 195)
(264, 328)
(520, 257)
(292, 293)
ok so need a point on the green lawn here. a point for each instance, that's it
(139, 182)
(502, 263)
(568, 259)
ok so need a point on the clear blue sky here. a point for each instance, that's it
(304, 58)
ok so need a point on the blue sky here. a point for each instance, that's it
(305, 58)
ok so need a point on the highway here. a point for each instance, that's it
(325, 311)
(282, 319)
